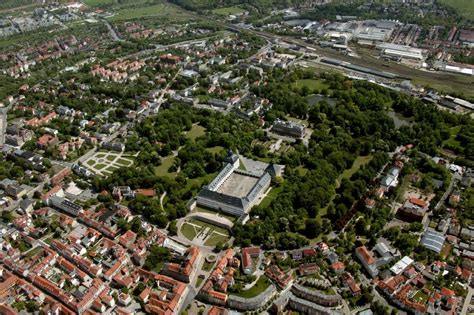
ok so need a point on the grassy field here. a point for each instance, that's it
(211, 226)
(259, 287)
(215, 149)
(207, 266)
(200, 181)
(272, 194)
(421, 297)
(311, 84)
(215, 238)
(12, 4)
(166, 162)
(99, 166)
(215, 234)
(452, 139)
(158, 11)
(227, 11)
(98, 3)
(123, 162)
(359, 161)
(195, 132)
(188, 231)
(302, 170)
(463, 7)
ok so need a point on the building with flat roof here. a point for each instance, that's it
(401, 265)
(65, 205)
(401, 51)
(234, 191)
(288, 128)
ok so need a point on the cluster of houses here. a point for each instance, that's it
(81, 270)
(118, 70)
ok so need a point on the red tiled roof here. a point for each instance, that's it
(145, 294)
(252, 251)
(364, 253)
(418, 202)
(447, 292)
(146, 192)
(338, 265)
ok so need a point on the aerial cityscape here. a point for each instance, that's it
(237, 157)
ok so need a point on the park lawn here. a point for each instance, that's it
(161, 10)
(216, 238)
(124, 162)
(100, 166)
(199, 181)
(302, 170)
(452, 139)
(90, 162)
(189, 231)
(260, 286)
(311, 84)
(272, 194)
(207, 266)
(463, 7)
(212, 227)
(33, 252)
(111, 158)
(216, 149)
(421, 297)
(96, 3)
(111, 168)
(358, 163)
(228, 11)
(242, 166)
(99, 155)
(195, 132)
(166, 163)
(199, 281)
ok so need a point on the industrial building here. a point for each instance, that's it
(400, 51)
(373, 32)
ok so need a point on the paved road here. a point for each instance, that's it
(467, 301)
(446, 193)
(113, 33)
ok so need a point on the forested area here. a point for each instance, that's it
(308, 203)
(261, 5)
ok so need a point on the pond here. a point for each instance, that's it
(316, 98)
(399, 119)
